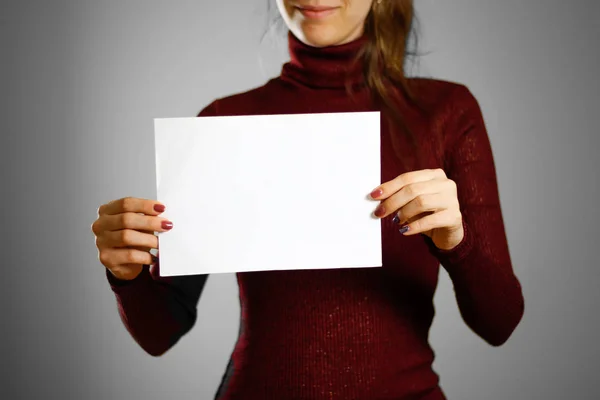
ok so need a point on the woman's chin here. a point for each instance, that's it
(318, 36)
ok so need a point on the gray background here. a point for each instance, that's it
(81, 83)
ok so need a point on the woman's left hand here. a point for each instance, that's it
(424, 201)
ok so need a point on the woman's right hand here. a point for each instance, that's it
(124, 233)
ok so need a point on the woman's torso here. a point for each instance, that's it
(357, 333)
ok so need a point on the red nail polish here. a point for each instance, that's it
(379, 211)
(166, 225)
(159, 208)
(376, 193)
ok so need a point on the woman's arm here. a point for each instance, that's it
(158, 311)
(488, 293)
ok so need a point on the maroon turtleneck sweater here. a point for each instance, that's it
(352, 333)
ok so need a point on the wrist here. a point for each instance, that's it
(126, 275)
(456, 236)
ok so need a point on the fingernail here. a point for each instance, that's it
(154, 258)
(403, 229)
(396, 219)
(379, 211)
(159, 208)
(376, 193)
(166, 225)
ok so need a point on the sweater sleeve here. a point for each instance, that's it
(488, 293)
(157, 311)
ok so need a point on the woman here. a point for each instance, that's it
(346, 333)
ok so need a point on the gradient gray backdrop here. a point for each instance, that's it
(81, 84)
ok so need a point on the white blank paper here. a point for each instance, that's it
(275, 192)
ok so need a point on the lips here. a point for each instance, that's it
(315, 8)
(315, 12)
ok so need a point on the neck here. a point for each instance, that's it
(332, 67)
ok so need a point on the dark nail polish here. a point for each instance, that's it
(396, 219)
(376, 193)
(154, 258)
(159, 208)
(166, 225)
(379, 211)
(403, 229)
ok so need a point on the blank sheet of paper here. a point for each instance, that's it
(274, 192)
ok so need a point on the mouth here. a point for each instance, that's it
(316, 12)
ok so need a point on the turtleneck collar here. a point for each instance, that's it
(323, 67)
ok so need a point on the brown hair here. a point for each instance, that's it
(390, 27)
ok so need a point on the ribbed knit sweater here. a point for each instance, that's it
(352, 334)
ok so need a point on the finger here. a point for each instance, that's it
(387, 189)
(428, 222)
(119, 257)
(407, 194)
(416, 217)
(127, 238)
(134, 221)
(424, 203)
(131, 205)
(141, 248)
(147, 250)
